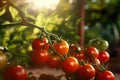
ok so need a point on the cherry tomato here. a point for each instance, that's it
(80, 55)
(3, 60)
(92, 52)
(40, 43)
(74, 48)
(40, 56)
(103, 56)
(61, 47)
(54, 61)
(70, 65)
(86, 72)
(95, 61)
(106, 75)
(100, 44)
(15, 73)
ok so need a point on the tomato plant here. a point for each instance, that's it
(15, 73)
(40, 43)
(70, 65)
(61, 47)
(103, 56)
(3, 60)
(106, 75)
(54, 61)
(92, 52)
(86, 72)
(40, 56)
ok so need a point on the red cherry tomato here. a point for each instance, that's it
(70, 65)
(61, 47)
(92, 52)
(54, 61)
(79, 55)
(40, 43)
(15, 73)
(40, 56)
(106, 75)
(103, 56)
(86, 72)
(74, 48)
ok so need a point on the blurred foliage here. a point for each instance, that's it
(102, 20)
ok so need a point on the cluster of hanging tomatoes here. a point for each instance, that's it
(71, 58)
(86, 63)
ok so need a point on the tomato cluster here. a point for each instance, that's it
(71, 58)
(86, 63)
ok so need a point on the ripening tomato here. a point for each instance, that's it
(86, 72)
(74, 48)
(106, 75)
(54, 61)
(103, 56)
(80, 55)
(92, 52)
(3, 60)
(15, 73)
(40, 56)
(61, 47)
(100, 44)
(70, 65)
(40, 43)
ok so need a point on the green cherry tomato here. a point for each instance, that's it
(99, 44)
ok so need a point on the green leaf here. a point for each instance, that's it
(2, 11)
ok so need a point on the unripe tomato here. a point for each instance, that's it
(15, 73)
(70, 65)
(61, 47)
(40, 56)
(99, 44)
(3, 60)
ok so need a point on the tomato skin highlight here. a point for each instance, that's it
(3, 60)
(61, 47)
(70, 65)
(103, 56)
(106, 75)
(40, 43)
(40, 56)
(86, 72)
(15, 73)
